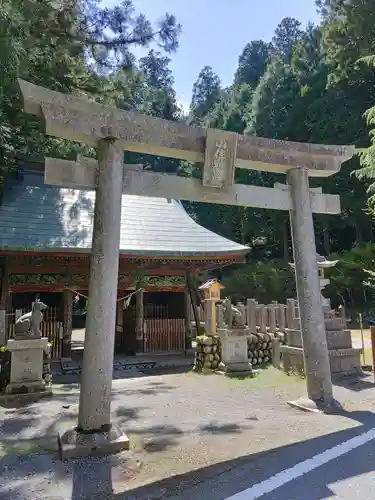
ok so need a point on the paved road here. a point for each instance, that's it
(270, 476)
(349, 477)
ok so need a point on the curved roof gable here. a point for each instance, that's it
(34, 216)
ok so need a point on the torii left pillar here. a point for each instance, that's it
(95, 433)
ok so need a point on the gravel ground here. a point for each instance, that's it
(177, 424)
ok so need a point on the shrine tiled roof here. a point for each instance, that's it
(38, 217)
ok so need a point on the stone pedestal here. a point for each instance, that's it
(26, 372)
(234, 355)
(344, 359)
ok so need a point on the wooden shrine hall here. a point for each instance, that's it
(45, 242)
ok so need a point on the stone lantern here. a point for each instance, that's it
(323, 264)
(344, 359)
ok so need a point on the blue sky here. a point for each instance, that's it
(216, 31)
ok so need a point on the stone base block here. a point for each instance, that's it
(203, 370)
(336, 339)
(292, 359)
(235, 369)
(74, 444)
(335, 324)
(26, 397)
(339, 339)
(293, 337)
(25, 387)
(343, 362)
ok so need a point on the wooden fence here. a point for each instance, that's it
(164, 335)
(161, 332)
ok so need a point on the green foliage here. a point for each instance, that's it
(85, 49)
(287, 34)
(348, 35)
(206, 93)
(230, 111)
(276, 103)
(352, 280)
(264, 280)
(252, 63)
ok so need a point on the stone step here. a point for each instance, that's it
(339, 339)
(342, 361)
(293, 337)
(336, 339)
(335, 324)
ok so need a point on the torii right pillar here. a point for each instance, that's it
(315, 351)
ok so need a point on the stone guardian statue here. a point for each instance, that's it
(28, 325)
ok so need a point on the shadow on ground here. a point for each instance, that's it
(355, 384)
(31, 426)
(98, 478)
(130, 370)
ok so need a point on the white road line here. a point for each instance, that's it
(298, 470)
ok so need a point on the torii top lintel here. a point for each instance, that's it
(79, 119)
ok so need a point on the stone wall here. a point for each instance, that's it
(259, 348)
(208, 353)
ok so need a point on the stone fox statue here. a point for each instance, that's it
(232, 315)
(28, 325)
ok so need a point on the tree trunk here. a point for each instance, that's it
(326, 241)
(370, 231)
(358, 233)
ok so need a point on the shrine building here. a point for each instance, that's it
(45, 242)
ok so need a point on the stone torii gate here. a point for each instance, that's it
(113, 131)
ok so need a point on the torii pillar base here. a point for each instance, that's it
(76, 444)
(307, 404)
